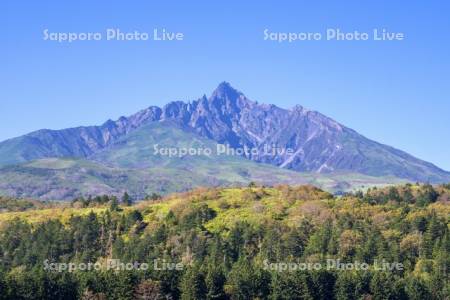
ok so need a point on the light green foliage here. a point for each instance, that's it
(225, 236)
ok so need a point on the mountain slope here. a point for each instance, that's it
(318, 143)
(130, 164)
(66, 179)
(72, 142)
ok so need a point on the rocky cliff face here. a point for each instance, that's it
(317, 143)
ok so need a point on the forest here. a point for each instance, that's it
(254, 242)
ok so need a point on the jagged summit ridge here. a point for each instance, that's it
(318, 143)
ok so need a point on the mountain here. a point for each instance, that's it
(129, 164)
(319, 143)
(320, 148)
(72, 142)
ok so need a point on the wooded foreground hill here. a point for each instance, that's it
(229, 242)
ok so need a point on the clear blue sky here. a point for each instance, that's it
(397, 93)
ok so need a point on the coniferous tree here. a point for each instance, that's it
(193, 284)
(114, 204)
(215, 281)
(126, 199)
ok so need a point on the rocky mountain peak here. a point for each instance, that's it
(225, 90)
(318, 143)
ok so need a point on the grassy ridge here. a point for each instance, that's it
(131, 164)
(254, 205)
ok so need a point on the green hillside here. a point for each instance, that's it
(131, 164)
(65, 179)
